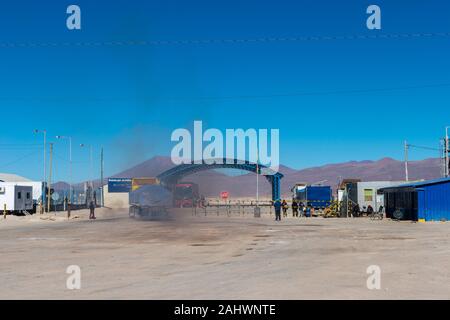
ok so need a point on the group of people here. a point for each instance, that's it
(298, 209)
(369, 210)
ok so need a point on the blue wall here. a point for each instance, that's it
(434, 202)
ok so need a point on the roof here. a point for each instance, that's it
(8, 177)
(419, 184)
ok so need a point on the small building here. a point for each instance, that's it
(364, 193)
(419, 201)
(116, 193)
(16, 198)
(37, 186)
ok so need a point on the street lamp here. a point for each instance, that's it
(70, 163)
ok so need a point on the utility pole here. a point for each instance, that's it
(447, 150)
(442, 156)
(49, 184)
(45, 160)
(406, 161)
(101, 178)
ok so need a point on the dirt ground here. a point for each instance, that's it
(221, 257)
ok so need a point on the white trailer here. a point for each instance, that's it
(38, 189)
(15, 198)
(368, 193)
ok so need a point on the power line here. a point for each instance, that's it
(8, 147)
(19, 159)
(221, 41)
(423, 147)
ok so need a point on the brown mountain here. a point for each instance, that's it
(213, 182)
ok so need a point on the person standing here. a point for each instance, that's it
(41, 206)
(302, 209)
(277, 206)
(285, 208)
(92, 211)
(294, 208)
(370, 210)
(68, 209)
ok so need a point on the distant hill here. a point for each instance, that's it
(149, 168)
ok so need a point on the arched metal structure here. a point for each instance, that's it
(174, 175)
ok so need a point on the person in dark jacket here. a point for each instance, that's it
(92, 210)
(294, 208)
(277, 205)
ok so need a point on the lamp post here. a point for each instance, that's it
(70, 163)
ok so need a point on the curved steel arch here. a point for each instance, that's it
(174, 175)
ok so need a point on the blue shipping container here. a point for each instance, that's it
(315, 196)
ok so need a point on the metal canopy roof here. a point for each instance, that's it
(418, 184)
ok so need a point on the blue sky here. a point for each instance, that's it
(331, 99)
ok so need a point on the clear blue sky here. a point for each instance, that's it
(129, 99)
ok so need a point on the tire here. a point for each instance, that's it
(132, 212)
(398, 215)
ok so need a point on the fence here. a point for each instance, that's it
(233, 209)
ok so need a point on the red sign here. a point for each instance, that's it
(225, 195)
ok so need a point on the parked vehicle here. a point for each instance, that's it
(317, 197)
(186, 195)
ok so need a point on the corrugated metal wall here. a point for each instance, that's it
(434, 202)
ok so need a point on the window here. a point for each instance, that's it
(28, 196)
(368, 195)
(19, 195)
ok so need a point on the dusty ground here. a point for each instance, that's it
(220, 257)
